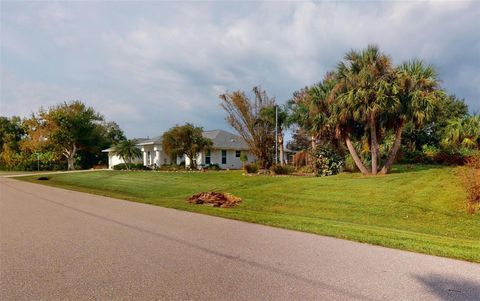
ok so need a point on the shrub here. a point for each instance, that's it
(251, 168)
(281, 170)
(123, 166)
(349, 164)
(171, 167)
(212, 167)
(326, 161)
(471, 180)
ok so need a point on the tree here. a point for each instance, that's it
(66, 128)
(243, 158)
(300, 140)
(185, 140)
(127, 150)
(364, 92)
(11, 134)
(463, 132)
(244, 115)
(418, 94)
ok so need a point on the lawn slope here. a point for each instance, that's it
(418, 208)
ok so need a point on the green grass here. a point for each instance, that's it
(419, 208)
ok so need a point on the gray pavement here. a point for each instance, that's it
(57, 244)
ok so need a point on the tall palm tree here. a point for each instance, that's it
(363, 93)
(418, 94)
(127, 150)
(283, 123)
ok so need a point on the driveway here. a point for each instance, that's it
(57, 244)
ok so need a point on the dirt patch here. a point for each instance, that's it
(43, 178)
(215, 199)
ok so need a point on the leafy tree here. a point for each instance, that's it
(127, 150)
(245, 116)
(300, 140)
(243, 158)
(463, 132)
(66, 128)
(11, 134)
(185, 140)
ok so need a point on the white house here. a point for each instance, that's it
(225, 152)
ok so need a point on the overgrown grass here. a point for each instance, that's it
(416, 208)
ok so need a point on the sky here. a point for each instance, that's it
(151, 65)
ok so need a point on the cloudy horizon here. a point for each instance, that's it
(150, 65)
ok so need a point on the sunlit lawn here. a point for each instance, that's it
(417, 208)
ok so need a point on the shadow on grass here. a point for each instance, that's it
(446, 288)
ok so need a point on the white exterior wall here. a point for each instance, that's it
(153, 154)
(115, 160)
(233, 162)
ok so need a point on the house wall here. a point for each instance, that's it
(233, 162)
(114, 160)
(154, 155)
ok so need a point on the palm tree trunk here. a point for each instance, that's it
(355, 157)
(314, 144)
(393, 152)
(374, 145)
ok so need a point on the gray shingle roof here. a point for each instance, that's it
(226, 140)
(221, 140)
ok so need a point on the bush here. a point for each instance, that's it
(326, 161)
(281, 170)
(349, 164)
(123, 166)
(471, 180)
(172, 167)
(251, 168)
(212, 167)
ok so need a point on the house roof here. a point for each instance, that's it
(221, 140)
(112, 148)
(154, 140)
(225, 140)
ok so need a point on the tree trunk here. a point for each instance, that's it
(393, 152)
(314, 144)
(70, 154)
(71, 163)
(374, 145)
(355, 157)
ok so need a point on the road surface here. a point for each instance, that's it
(64, 245)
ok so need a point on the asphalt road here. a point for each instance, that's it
(64, 245)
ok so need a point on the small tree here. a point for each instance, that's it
(245, 116)
(127, 150)
(185, 140)
(243, 158)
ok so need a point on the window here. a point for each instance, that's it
(208, 157)
(237, 154)
(224, 156)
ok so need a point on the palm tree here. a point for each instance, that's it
(127, 150)
(418, 94)
(363, 93)
(463, 132)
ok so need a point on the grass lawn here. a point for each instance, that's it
(419, 208)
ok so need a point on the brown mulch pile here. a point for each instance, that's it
(215, 199)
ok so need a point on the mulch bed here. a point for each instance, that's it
(215, 199)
